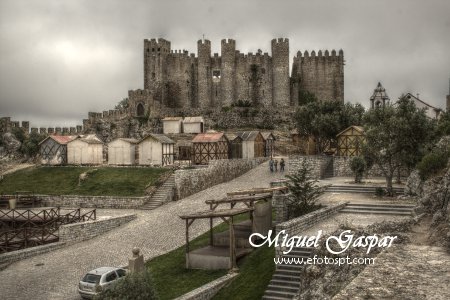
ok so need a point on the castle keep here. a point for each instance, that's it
(179, 80)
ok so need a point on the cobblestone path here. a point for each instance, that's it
(155, 232)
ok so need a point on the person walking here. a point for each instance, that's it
(275, 163)
(271, 165)
(282, 163)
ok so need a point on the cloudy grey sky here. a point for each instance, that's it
(61, 59)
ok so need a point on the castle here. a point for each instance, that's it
(179, 80)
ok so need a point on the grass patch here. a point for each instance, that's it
(255, 273)
(64, 181)
(170, 276)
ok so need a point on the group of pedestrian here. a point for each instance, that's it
(273, 165)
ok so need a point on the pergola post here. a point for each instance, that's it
(187, 243)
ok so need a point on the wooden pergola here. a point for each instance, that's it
(255, 191)
(227, 216)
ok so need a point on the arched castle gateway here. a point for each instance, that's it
(179, 80)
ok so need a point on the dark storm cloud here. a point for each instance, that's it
(61, 59)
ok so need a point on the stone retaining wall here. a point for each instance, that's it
(92, 201)
(188, 182)
(77, 232)
(341, 167)
(298, 225)
(208, 290)
(13, 256)
(318, 164)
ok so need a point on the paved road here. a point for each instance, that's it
(155, 232)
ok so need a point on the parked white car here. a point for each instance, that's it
(98, 280)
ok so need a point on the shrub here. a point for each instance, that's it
(304, 192)
(432, 163)
(358, 166)
(380, 192)
(135, 286)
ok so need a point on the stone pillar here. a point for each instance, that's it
(136, 263)
(279, 202)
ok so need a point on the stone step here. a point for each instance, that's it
(277, 276)
(379, 212)
(285, 283)
(291, 273)
(286, 295)
(381, 205)
(378, 208)
(281, 288)
(292, 267)
(275, 298)
(299, 253)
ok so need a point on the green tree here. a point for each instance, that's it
(304, 192)
(443, 124)
(30, 146)
(324, 120)
(358, 166)
(305, 97)
(124, 103)
(396, 135)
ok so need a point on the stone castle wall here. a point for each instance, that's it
(82, 231)
(6, 125)
(189, 182)
(317, 163)
(179, 79)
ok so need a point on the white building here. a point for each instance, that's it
(172, 125)
(122, 151)
(85, 150)
(193, 125)
(156, 150)
(431, 111)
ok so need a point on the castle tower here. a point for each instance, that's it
(228, 71)
(155, 67)
(321, 74)
(204, 76)
(379, 97)
(280, 72)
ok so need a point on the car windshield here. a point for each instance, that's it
(91, 278)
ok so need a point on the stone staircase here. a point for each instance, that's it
(162, 195)
(329, 170)
(285, 283)
(358, 189)
(384, 209)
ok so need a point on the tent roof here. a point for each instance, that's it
(193, 120)
(209, 137)
(159, 137)
(248, 135)
(128, 140)
(360, 129)
(60, 139)
(172, 119)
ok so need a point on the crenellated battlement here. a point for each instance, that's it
(6, 125)
(204, 42)
(280, 41)
(230, 42)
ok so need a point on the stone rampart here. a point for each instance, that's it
(208, 290)
(188, 182)
(298, 225)
(317, 163)
(92, 201)
(77, 232)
